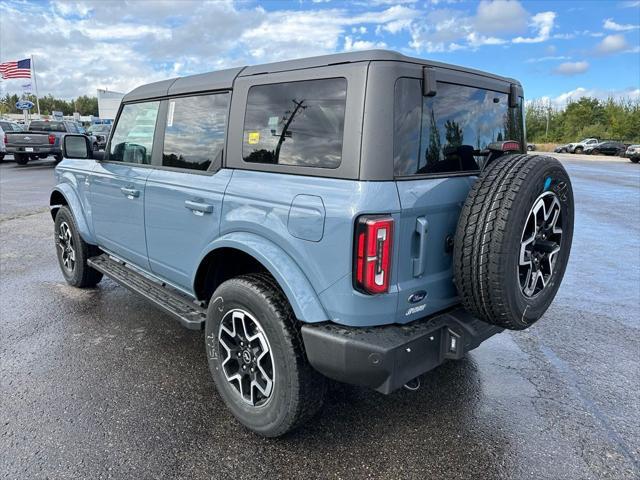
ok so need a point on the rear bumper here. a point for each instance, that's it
(385, 358)
(49, 149)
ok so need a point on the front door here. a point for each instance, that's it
(184, 194)
(118, 184)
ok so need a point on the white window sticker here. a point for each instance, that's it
(172, 107)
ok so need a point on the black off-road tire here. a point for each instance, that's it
(489, 238)
(81, 275)
(21, 158)
(298, 390)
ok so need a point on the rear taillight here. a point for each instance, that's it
(373, 250)
(52, 139)
(510, 146)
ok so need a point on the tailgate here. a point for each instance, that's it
(429, 215)
(27, 139)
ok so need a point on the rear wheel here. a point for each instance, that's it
(257, 358)
(58, 157)
(21, 158)
(513, 240)
(1, 157)
(73, 252)
(595, 151)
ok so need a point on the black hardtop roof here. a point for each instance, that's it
(223, 79)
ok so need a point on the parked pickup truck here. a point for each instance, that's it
(340, 217)
(42, 138)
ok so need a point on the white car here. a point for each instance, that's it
(3, 149)
(580, 146)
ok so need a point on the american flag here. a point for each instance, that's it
(19, 69)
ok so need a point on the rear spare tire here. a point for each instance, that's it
(513, 240)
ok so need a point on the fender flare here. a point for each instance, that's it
(73, 202)
(297, 288)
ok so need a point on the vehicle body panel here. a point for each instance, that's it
(174, 223)
(117, 196)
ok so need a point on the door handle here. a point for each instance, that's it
(421, 229)
(198, 207)
(130, 192)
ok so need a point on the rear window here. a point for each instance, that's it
(445, 133)
(38, 126)
(296, 123)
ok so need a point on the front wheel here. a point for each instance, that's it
(73, 252)
(257, 358)
(578, 150)
(635, 160)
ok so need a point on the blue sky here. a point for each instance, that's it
(558, 49)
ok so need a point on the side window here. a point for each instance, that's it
(71, 127)
(296, 123)
(195, 131)
(132, 140)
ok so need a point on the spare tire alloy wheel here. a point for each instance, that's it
(513, 240)
(247, 364)
(540, 244)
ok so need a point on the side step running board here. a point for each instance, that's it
(168, 299)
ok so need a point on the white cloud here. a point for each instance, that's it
(630, 93)
(571, 68)
(350, 44)
(500, 16)
(609, 24)
(630, 4)
(542, 22)
(547, 59)
(612, 44)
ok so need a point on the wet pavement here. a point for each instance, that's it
(100, 384)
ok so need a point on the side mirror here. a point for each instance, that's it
(429, 87)
(76, 146)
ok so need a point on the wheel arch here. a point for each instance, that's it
(63, 195)
(236, 253)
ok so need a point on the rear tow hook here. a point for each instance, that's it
(413, 385)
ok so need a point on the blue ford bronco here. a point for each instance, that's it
(361, 217)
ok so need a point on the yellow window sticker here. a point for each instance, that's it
(254, 137)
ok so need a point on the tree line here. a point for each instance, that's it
(84, 104)
(588, 117)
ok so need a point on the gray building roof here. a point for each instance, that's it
(223, 79)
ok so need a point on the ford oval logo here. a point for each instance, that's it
(417, 296)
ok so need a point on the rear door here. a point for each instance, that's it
(436, 144)
(185, 189)
(118, 184)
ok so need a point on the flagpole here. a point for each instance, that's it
(35, 82)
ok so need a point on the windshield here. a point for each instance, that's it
(99, 128)
(447, 132)
(38, 126)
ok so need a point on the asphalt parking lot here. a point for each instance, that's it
(99, 384)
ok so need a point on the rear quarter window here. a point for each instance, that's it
(296, 123)
(445, 133)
